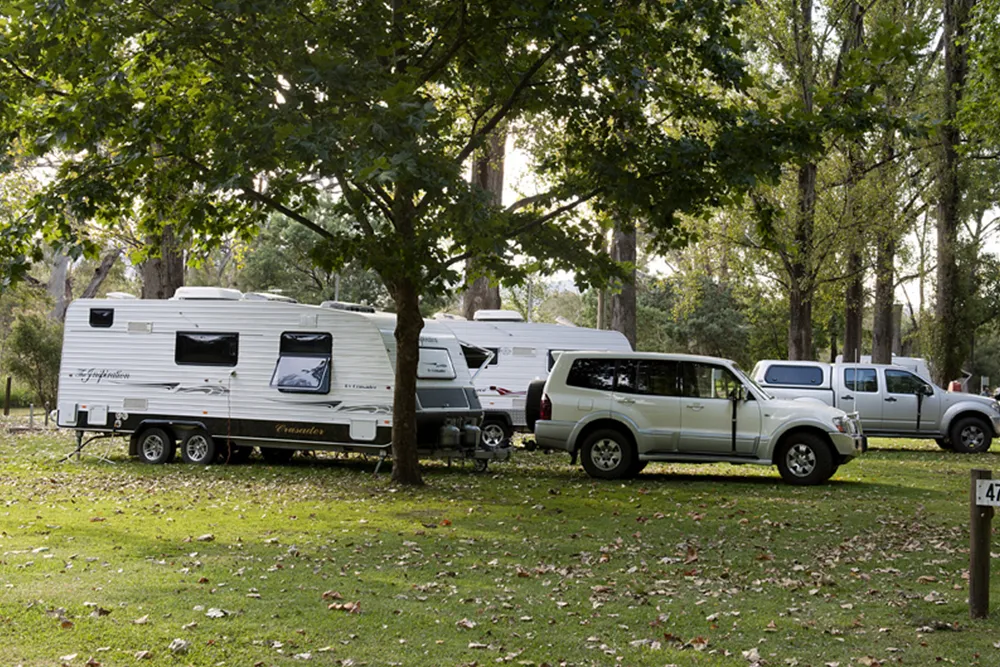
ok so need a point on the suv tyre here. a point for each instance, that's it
(608, 454)
(804, 459)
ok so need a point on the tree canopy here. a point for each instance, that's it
(208, 116)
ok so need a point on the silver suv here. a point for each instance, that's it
(620, 411)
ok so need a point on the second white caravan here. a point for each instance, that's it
(505, 354)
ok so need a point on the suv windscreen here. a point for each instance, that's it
(592, 374)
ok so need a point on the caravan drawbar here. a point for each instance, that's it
(220, 375)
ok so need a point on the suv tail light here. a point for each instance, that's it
(545, 409)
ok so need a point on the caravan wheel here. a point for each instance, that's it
(155, 446)
(198, 447)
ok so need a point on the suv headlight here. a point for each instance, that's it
(840, 424)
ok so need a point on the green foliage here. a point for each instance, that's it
(280, 260)
(32, 354)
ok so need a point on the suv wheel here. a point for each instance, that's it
(804, 459)
(608, 454)
(970, 435)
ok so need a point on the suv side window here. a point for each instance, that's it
(592, 374)
(657, 378)
(861, 379)
(700, 380)
(904, 382)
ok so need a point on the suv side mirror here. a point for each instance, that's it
(926, 390)
(738, 393)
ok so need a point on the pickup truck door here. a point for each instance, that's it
(707, 411)
(905, 395)
(858, 391)
(647, 393)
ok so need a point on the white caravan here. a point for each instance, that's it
(510, 353)
(222, 374)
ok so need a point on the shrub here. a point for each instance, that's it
(33, 351)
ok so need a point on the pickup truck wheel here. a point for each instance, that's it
(804, 459)
(155, 446)
(970, 435)
(944, 443)
(496, 433)
(607, 454)
(198, 447)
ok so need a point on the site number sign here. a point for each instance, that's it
(988, 492)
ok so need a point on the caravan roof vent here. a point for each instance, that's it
(120, 295)
(447, 316)
(497, 316)
(268, 296)
(353, 307)
(207, 294)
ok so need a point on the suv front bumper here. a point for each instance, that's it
(849, 445)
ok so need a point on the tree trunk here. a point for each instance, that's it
(409, 323)
(163, 274)
(623, 316)
(802, 285)
(60, 287)
(800, 325)
(601, 309)
(854, 310)
(101, 274)
(487, 173)
(884, 299)
(949, 340)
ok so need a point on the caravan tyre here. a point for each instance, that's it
(155, 446)
(198, 447)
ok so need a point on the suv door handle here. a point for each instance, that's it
(847, 398)
(695, 406)
(890, 400)
(625, 399)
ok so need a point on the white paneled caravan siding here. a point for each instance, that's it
(133, 361)
(522, 356)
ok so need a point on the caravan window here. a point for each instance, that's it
(206, 349)
(102, 318)
(303, 363)
(435, 364)
(475, 357)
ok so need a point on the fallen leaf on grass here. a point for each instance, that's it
(66, 624)
(692, 555)
(68, 658)
(179, 646)
(216, 613)
(207, 537)
(332, 595)
(349, 607)
(466, 623)
(142, 620)
(143, 655)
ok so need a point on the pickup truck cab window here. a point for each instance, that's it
(861, 379)
(904, 382)
(805, 376)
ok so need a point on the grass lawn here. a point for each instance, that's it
(320, 562)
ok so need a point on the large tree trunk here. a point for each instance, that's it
(101, 274)
(487, 173)
(885, 297)
(163, 274)
(409, 323)
(623, 317)
(950, 343)
(800, 275)
(854, 310)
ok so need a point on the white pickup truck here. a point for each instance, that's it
(891, 401)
